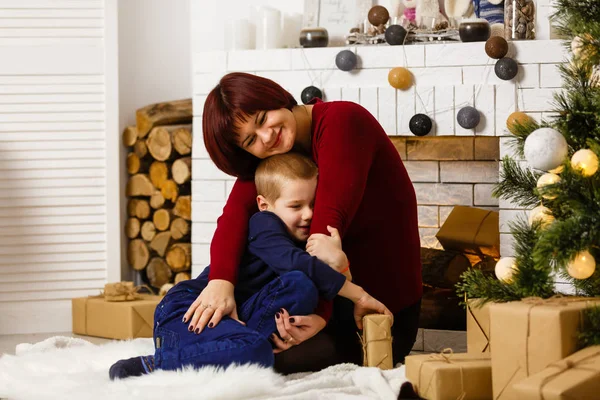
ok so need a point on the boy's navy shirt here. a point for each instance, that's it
(272, 252)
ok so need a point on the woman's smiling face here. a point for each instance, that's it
(266, 133)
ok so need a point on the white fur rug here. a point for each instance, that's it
(67, 368)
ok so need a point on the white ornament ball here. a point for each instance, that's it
(576, 46)
(583, 266)
(585, 161)
(545, 149)
(545, 180)
(541, 214)
(505, 269)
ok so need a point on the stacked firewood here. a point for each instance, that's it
(159, 192)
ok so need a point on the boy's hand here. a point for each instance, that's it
(295, 330)
(328, 249)
(367, 304)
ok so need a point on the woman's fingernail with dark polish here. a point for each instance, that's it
(211, 325)
(281, 310)
(190, 328)
(184, 320)
(292, 320)
(197, 331)
(277, 315)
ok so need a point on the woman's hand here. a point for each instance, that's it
(367, 304)
(295, 330)
(215, 302)
(328, 249)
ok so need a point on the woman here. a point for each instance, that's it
(363, 191)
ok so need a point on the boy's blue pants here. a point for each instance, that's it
(229, 342)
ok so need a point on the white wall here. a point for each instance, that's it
(154, 66)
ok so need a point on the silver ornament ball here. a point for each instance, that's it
(468, 117)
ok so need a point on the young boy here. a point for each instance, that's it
(276, 274)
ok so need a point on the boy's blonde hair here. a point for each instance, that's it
(276, 171)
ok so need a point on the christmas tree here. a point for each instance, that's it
(561, 238)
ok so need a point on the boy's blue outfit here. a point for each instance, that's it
(275, 273)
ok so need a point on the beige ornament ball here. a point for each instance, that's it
(400, 78)
(585, 161)
(505, 269)
(583, 266)
(545, 180)
(541, 214)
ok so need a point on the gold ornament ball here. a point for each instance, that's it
(557, 170)
(517, 117)
(505, 269)
(541, 214)
(400, 78)
(548, 179)
(585, 161)
(583, 266)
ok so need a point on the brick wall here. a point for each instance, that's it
(450, 167)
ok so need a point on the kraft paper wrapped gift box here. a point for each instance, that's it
(94, 316)
(377, 341)
(478, 327)
(575, 377)
(449, 376)
(471, 230)
(529, 335)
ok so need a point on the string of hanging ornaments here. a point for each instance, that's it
(394, 34)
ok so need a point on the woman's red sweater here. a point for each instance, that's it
(364, 191)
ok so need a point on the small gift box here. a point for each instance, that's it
(575, 377)
(471, 230)
(119, 313)
(377, 341)
(449, 376)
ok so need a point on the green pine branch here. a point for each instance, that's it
(517, 184)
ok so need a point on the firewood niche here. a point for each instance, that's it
(159, 165)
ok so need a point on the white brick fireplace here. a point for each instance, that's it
(447, 78)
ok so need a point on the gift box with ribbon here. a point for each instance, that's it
(377, 341)
(575, 377)
(471, 230)
(121, 312)
(529, 335)
(478, 327)
(450, 376)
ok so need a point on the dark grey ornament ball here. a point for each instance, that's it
(346, 60)
(420, 124)
(395, 34)
(468, 117)
(310, 93)
(506, 68)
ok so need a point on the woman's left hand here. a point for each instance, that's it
(295, 330)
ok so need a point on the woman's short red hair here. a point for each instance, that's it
(237, 96)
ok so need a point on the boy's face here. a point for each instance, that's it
(294, 206)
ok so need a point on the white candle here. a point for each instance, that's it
(268, 28)
(238, 35)
(292, 24)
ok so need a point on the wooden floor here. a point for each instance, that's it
(9, 342)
